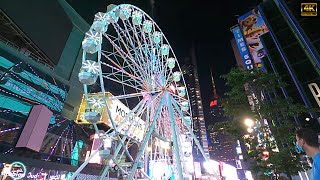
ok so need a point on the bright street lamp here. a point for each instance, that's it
(250, 130)
(249, 122)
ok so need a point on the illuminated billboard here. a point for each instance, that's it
(252, 27)
(118, 113)
(244, 52)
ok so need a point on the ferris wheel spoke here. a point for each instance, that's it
(117, 72)
(126, 56)
(131, 95)
(123, 138)
(120, 72)
(178, 98)
(144, 143)
(145, 49)
(141, 49)
(126, 84)
(120, 31)
(119, 68)
(141, 55)
(168, 79)
(190, 130)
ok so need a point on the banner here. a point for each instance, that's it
(253, 26)
(119, 113)
(244, 52)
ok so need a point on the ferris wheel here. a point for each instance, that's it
(142, 97)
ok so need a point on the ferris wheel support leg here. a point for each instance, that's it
(145, 141)
(126, 150)
(83, 165)
(106, 169)
(190, 130)
(175, 139)
(145, 174)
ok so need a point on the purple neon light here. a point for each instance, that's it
(54, 147)
(11, 129)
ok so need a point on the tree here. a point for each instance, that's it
(247, 98)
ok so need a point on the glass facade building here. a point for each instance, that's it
(292, 47)
(190, 74)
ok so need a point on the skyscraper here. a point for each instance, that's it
(221, 146)
(293, 51)
(190, 72)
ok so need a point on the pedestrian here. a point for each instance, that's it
(307, 140)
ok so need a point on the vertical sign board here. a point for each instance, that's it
(247, 61)
(252, 27)
(315, 90)
(35, 128)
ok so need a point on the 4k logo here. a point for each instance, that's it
(309, 9)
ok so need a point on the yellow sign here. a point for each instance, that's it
(118, 112)
(309, 9)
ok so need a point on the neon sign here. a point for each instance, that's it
(15, 170)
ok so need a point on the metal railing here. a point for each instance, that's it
(30, 54)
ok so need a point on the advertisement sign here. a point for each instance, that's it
(315, 90)
(244, 52)
(119, 112)
(253, 26)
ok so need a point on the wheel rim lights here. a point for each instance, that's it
(181, 91)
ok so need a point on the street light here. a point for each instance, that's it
(250, 130)
(249, 122)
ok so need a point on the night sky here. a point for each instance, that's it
(204, 23)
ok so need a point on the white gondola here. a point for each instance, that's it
(105, 153)
(181, 91)
(171, 63)
(92, 117)
(90, 44)
(188, 120)
(176, 76)
(185, 106)
(165, 49)
(157, 37)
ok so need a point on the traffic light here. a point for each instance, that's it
(214, 103)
